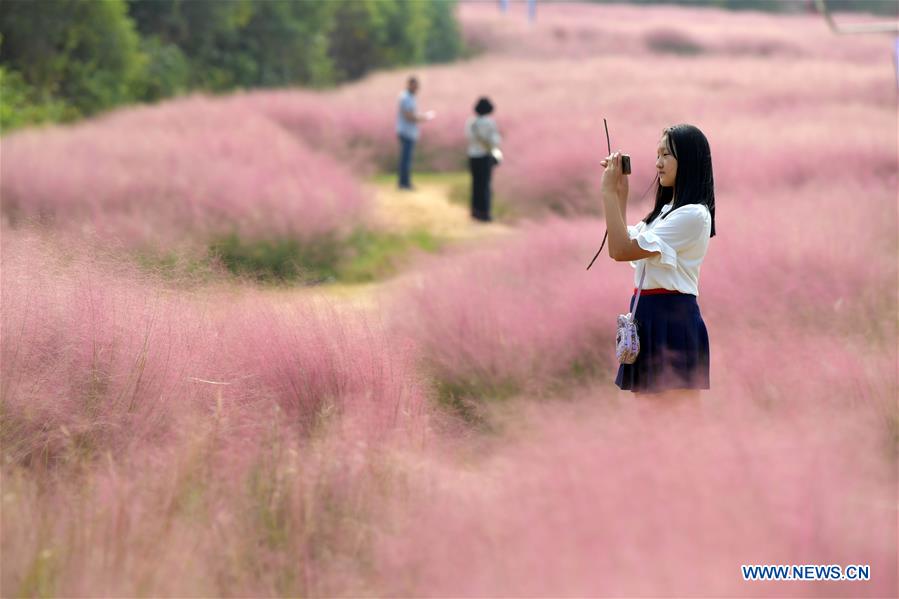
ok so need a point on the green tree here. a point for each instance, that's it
(67, 58)
(371, 34)
(289, 42)
(406, 26)
(243, 43)
(83, 51)
(20, 105)
(167, 71)
(207, 32)
(444, 42)
(356, 37)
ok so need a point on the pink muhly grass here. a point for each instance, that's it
(786, 256)
(250, 151)
(577, 30)
(776, 282)
(96, 357)
(642, 499)
(357, 123)
(190, 168)
(218, 442)
(90, 361)
(837, 95)
(236, 503)
(203, 442)
(322, 367)
(519, 313)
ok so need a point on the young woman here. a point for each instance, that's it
(669, 245)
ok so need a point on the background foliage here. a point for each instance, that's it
(63, 59)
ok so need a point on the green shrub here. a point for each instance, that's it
(377, 255)
(167, 71)
(363, 256)
(21, 105)
(279, 260)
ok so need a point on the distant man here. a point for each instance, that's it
(407, 121)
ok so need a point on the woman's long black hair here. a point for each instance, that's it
(694, 183)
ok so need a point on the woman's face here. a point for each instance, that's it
(666, 163)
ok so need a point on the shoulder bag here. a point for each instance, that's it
(627, 340)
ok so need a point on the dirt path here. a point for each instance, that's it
(427, 208)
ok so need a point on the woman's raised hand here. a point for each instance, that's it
(614, 182)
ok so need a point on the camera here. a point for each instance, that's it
(625, 159)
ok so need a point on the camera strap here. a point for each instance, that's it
(599, 250)
(606, 234)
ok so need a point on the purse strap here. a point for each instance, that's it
(639, 289)
(474, 129)
(642, 275)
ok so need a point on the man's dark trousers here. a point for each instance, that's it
(406, 147)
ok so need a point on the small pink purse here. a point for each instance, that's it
(627, 340)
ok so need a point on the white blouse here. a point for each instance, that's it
(482, 134)
(681, 240)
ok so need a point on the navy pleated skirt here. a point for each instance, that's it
(674, 346)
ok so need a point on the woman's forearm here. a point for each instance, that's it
(619, 240)
(614, 190)
(621, 247)
(622, 208)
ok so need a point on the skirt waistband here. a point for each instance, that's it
(658, 292)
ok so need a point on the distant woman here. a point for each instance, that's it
(483, 137)
(668, 245)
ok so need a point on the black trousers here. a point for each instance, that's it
(481, 169)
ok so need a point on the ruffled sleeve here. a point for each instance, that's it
(634, 230)
(651, 242)
(681, 228)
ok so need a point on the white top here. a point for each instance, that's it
(482, 134)
(681, 240)
(404, 127)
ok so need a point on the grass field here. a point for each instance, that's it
(237, 362)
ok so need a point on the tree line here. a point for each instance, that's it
(878, 7)
(64, 59)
